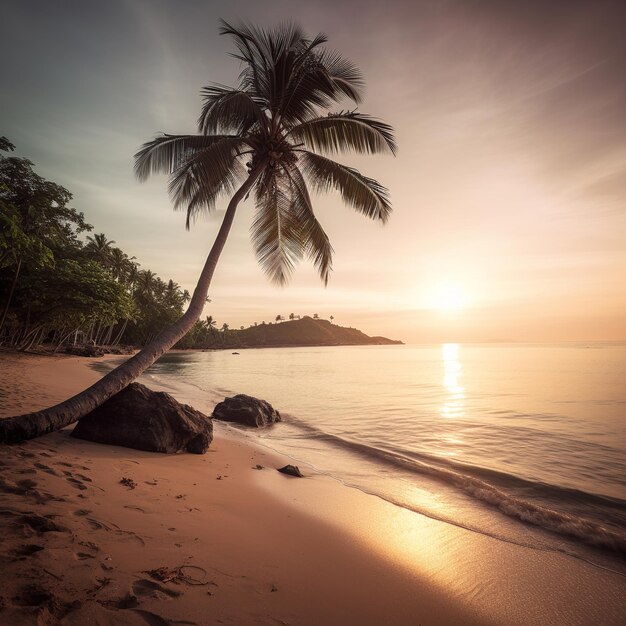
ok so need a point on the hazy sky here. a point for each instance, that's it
(509, 189)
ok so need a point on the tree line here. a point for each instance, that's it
(62, 286)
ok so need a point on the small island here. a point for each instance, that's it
(303, 332)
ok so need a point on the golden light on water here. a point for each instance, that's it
(454, 405)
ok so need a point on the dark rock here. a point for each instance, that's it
(246, 410)
(291, 470)
(139, 418)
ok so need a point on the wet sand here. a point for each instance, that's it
(213, 540)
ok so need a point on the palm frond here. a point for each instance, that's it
(165, 154)
(321, 79)
(227, 110)
(249, 41)
(310, 90)
(346, 76)
(275, 234)
(365, 194)
(315, 241)
(204, 176)
(336, 132)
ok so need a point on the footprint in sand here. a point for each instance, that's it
(46, 468)
(22, 487)
(152, 619)
(125, 602)
(39, 524)
(144, 587)
(75, 483)
(27, 549)
(33, 595)
(82, 512)
(114, 528)
(134, 508)
(98, 525)
(28, 470)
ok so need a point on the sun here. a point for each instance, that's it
(449, 298)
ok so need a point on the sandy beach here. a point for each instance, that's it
(212, 539)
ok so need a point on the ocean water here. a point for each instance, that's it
(526, 443)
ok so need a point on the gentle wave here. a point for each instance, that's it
(578, 527)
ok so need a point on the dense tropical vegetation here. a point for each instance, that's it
(271, 137)
(61, 288)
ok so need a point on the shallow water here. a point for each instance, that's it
(523, 442)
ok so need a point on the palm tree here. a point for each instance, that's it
(100, 248)
(263, 138)
(119, 264)
(292, 316)
(146, 282)
(331, 319)
(132, 277)
(211, 324)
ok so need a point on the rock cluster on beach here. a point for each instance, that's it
(139, 418)
(246, 410)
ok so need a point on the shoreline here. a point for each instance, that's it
(274, 549)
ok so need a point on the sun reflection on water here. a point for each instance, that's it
(454, 405)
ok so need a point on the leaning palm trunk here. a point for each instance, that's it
(21, 427)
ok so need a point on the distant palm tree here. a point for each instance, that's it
(159, 288)
(331, 319)
(210, 322)
(263, 137)
(146, 282)
(120, 264)
(292, 316)
(133, 276)
(99, 247)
